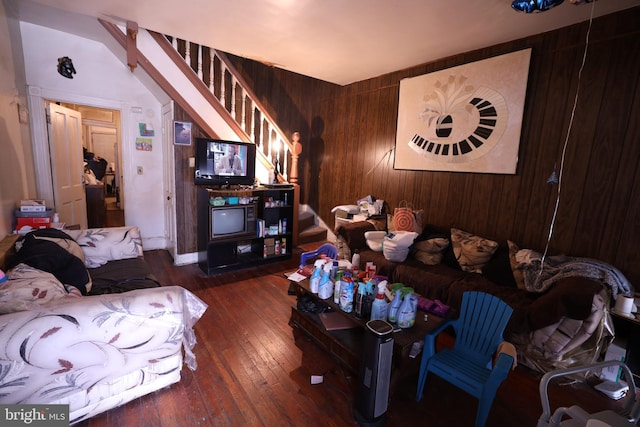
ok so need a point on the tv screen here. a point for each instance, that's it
(220, 162)
(227, 221)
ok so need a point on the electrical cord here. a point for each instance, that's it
(566, 143)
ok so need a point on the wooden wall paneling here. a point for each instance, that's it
(551, 118)
(580, 145)
(609, 148)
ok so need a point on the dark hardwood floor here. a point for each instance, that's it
(254, 370)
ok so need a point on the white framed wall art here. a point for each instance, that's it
(464, 119)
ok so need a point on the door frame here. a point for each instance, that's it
(38, 124)
(169, 179)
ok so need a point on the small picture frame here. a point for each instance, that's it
(181, 133)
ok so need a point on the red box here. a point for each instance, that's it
(36, 222)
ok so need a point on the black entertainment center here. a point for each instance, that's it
(239, 225)
(260, 229)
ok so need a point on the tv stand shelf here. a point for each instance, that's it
(226, 246)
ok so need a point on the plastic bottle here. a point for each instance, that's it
(314, 281)
(359, 304)
(355, 260)
(336, 287)
(346, 294)
(379, 306)
(334, 269)
(325, 288)
(407, 312)
(395, 306)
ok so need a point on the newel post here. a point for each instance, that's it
(295, 153)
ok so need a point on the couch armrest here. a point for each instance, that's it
(101, 245)
(353, 234)
(58, 349)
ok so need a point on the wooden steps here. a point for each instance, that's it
(309, 230)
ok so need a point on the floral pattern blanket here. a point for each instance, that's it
(63, 351)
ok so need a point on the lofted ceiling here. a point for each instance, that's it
(339, 41)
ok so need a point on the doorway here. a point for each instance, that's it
(101, 136)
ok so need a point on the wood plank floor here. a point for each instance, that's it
(253, 370)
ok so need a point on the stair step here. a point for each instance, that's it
(306, 220)
(312, 234)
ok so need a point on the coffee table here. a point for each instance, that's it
(346, 345)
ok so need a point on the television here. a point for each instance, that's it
(224, 163)
(232, 221)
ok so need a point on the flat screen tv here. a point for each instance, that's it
(220, 162)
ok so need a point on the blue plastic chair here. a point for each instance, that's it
(327, 249)
(468, 365)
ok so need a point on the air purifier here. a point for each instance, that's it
(372, 396)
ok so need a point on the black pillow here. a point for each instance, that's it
(498, 269)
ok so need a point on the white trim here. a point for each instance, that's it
(41, 158)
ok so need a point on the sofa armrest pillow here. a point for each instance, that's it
(101, 245)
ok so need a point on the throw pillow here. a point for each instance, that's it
(518, 275)
(430, 251)
(472, 252)
(498, 269)
(27, 288)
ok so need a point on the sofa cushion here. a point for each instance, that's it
(430, 281)
(472, 251)
(518, 300)
(122, 276)
(384, 267)
(27, 287)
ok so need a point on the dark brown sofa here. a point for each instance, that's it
(570, 298)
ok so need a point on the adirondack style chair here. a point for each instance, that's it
(327, 249)
(469, 363)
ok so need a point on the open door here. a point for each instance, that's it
(169, 179)
(65, 148)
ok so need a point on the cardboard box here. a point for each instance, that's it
(32, 205)
(35, 222)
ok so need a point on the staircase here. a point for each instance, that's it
(220, 102)
(309, 231)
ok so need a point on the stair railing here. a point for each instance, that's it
(222, 80)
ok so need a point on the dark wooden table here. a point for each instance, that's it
(346, 345)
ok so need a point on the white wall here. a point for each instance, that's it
(104, 77)
(16, 166)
